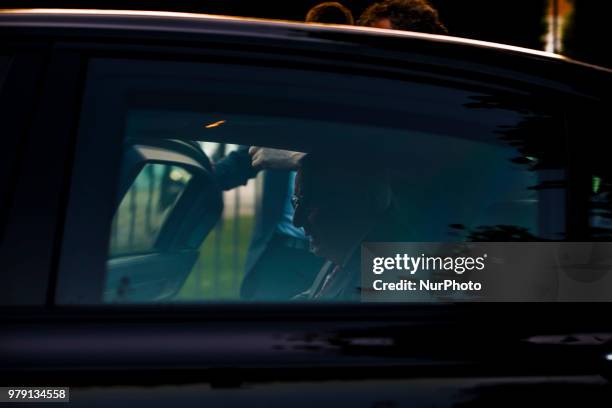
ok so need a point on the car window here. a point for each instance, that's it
(435, 163)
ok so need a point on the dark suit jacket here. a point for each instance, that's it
(235, 170)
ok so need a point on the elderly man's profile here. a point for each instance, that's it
(342, 203)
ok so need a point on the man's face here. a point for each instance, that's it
(325, 219)
(383, 23)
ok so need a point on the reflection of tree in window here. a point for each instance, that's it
(540, 146)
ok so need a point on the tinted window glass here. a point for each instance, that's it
(434, 163)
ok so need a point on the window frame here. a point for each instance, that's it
(42, 96)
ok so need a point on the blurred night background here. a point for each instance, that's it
(576, 28)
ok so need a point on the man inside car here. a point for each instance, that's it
(340, 204)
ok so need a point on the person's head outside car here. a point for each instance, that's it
(407, 15)
(339, 203)
(330, 12)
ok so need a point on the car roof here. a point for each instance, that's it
(190, 22)
(151, 25)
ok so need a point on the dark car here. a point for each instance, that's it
(122, 257)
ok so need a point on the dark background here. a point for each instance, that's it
(518, 22)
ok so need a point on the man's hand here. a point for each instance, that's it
(267, 158)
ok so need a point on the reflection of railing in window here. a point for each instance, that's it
(218, 155)
(134, 214)
(220, 267)
(145, 207)
(149, 209)
(152, 196)
(235, 240)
